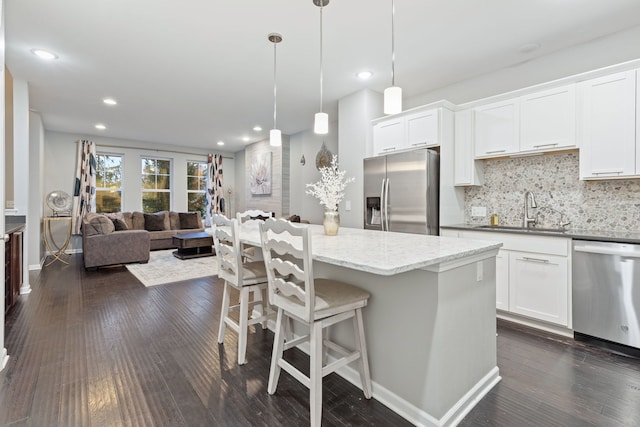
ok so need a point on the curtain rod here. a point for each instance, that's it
(156, 149)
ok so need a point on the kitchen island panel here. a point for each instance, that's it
(431, 338)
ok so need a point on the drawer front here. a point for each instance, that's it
(560, 246)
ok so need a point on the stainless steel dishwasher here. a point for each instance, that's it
(606, 291)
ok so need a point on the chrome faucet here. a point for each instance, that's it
(529, 202)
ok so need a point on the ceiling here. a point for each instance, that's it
(195, 72)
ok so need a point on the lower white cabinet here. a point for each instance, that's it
(538, 286)
(533, 277)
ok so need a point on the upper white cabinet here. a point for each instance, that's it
(537, 122)
(467, 170)
(389, 135)
(407, 130)
(548, 119)
(496, 129)
(422, 129)
(608, 127)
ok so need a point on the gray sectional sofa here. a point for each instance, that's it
(128, 237)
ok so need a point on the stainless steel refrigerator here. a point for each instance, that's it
(401, 192)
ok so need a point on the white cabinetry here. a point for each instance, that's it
(467, 170)
(422, 129)
(496, 129)
(537, 122)
(389, 136)
(414, 129)
(538, 286)
(608, 127)
(532, 274)
(548, 119)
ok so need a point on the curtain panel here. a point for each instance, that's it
(84, 188)
(215, 192)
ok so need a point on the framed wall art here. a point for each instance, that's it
(260, 177)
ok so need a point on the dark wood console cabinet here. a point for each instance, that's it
(12, 268)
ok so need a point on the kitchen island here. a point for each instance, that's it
(430, 323)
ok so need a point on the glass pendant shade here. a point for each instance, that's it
(393, 100)
(321, 124)
(275, 138)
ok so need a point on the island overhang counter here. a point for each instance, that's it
(430, 323)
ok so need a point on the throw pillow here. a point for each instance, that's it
(119, 224)
(118, 221)
(155, 222)
(101, 224)
(189, 220)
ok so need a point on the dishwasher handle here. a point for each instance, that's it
(606, 251)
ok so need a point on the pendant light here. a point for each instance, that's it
(275, 136)
(321, 122)
(393, 94)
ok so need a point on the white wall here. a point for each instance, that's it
(589, 56)
(60, 164)
(355, 113)
(3, 351)
(239, 204)
(307, 143)
(20, 146)
(35, 245)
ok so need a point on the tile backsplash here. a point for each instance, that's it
(612, 205)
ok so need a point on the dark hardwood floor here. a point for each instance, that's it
(100, 349)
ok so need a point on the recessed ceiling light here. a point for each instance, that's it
(44, 54)
(257, 128)
(100, 126)
(220, 142)
(246, 139)
(364, 75)
(109, 101)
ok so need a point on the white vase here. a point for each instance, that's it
(331, 223)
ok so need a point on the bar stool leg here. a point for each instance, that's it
(278, 349)
(361, 345)
(224, 314)
(315, 377)
(244, 325)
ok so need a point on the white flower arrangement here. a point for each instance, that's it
(330, 189)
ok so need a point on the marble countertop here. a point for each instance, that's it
(383, 253)
(575, 234)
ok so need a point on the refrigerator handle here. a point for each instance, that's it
(382, 204)
(386, 204)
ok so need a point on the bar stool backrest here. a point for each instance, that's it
(286, 249)
(226, 240)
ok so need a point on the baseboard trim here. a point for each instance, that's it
(409, 411)
(537, 324)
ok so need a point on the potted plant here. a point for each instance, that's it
(330, 191)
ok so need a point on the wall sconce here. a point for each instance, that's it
(302, 160)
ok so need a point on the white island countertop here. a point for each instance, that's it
(384, 253)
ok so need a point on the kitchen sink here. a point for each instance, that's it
(522, 229)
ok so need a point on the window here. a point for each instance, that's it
(197, 187)
(156, 185)
(108, 183)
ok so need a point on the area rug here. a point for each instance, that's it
(164, 268)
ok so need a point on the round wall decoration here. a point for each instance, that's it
(59, 202)
(323, 158)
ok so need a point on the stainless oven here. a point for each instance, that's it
(606, 291)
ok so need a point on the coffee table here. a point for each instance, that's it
(193, 245)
